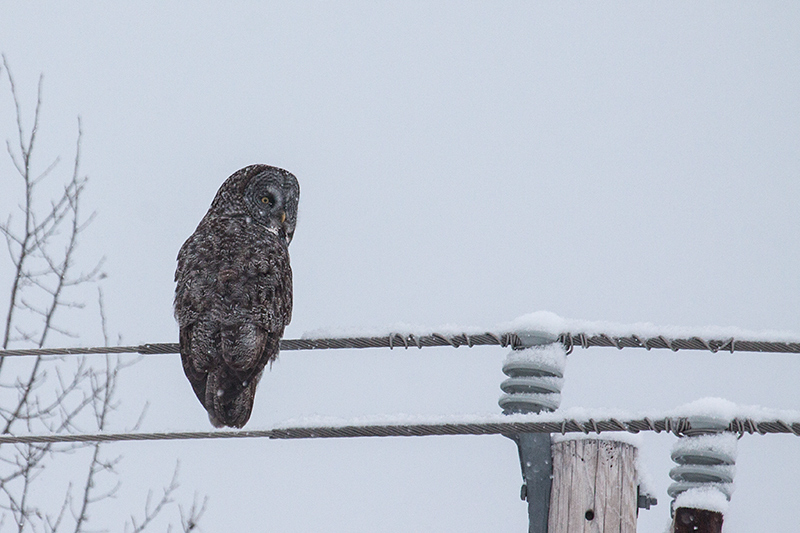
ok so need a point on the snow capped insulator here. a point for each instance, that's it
(707, 425)
(705, 462)
(535, 373)
(535, 370)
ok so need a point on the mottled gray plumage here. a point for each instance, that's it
(234, 289)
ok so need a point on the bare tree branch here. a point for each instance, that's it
(152, 511)
(51, 394)
(190, 520)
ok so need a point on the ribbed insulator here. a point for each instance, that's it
(704, 462)
(535, 378)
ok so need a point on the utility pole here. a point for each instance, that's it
(573, 485)
(594, 487)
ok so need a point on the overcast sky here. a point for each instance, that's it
(459, 163)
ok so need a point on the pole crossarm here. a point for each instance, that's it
(512, 339)
(676, 425)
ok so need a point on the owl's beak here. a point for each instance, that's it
(287, 231)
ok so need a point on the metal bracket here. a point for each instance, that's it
(644, 500)
(536, 461)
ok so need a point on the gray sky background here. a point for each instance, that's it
(459, 163)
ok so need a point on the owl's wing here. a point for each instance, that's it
(197, 377)
(191, 304)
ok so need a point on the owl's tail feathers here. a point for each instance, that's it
(228, 400)
(242, 346)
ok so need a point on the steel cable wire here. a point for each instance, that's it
(406, 341)
(675, 425)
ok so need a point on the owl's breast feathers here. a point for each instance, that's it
(234, 269)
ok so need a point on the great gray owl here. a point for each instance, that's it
(234, 289)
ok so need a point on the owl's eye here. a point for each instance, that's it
(266, 200)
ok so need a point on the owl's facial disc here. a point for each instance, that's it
(270, 199)
(264, 198)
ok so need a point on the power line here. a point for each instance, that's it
(730, 344)
(398, 340)
(677, 425)
(393, 340)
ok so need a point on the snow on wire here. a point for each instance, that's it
(676, 425)
(512, 339)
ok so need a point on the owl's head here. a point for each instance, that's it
(268, 195)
